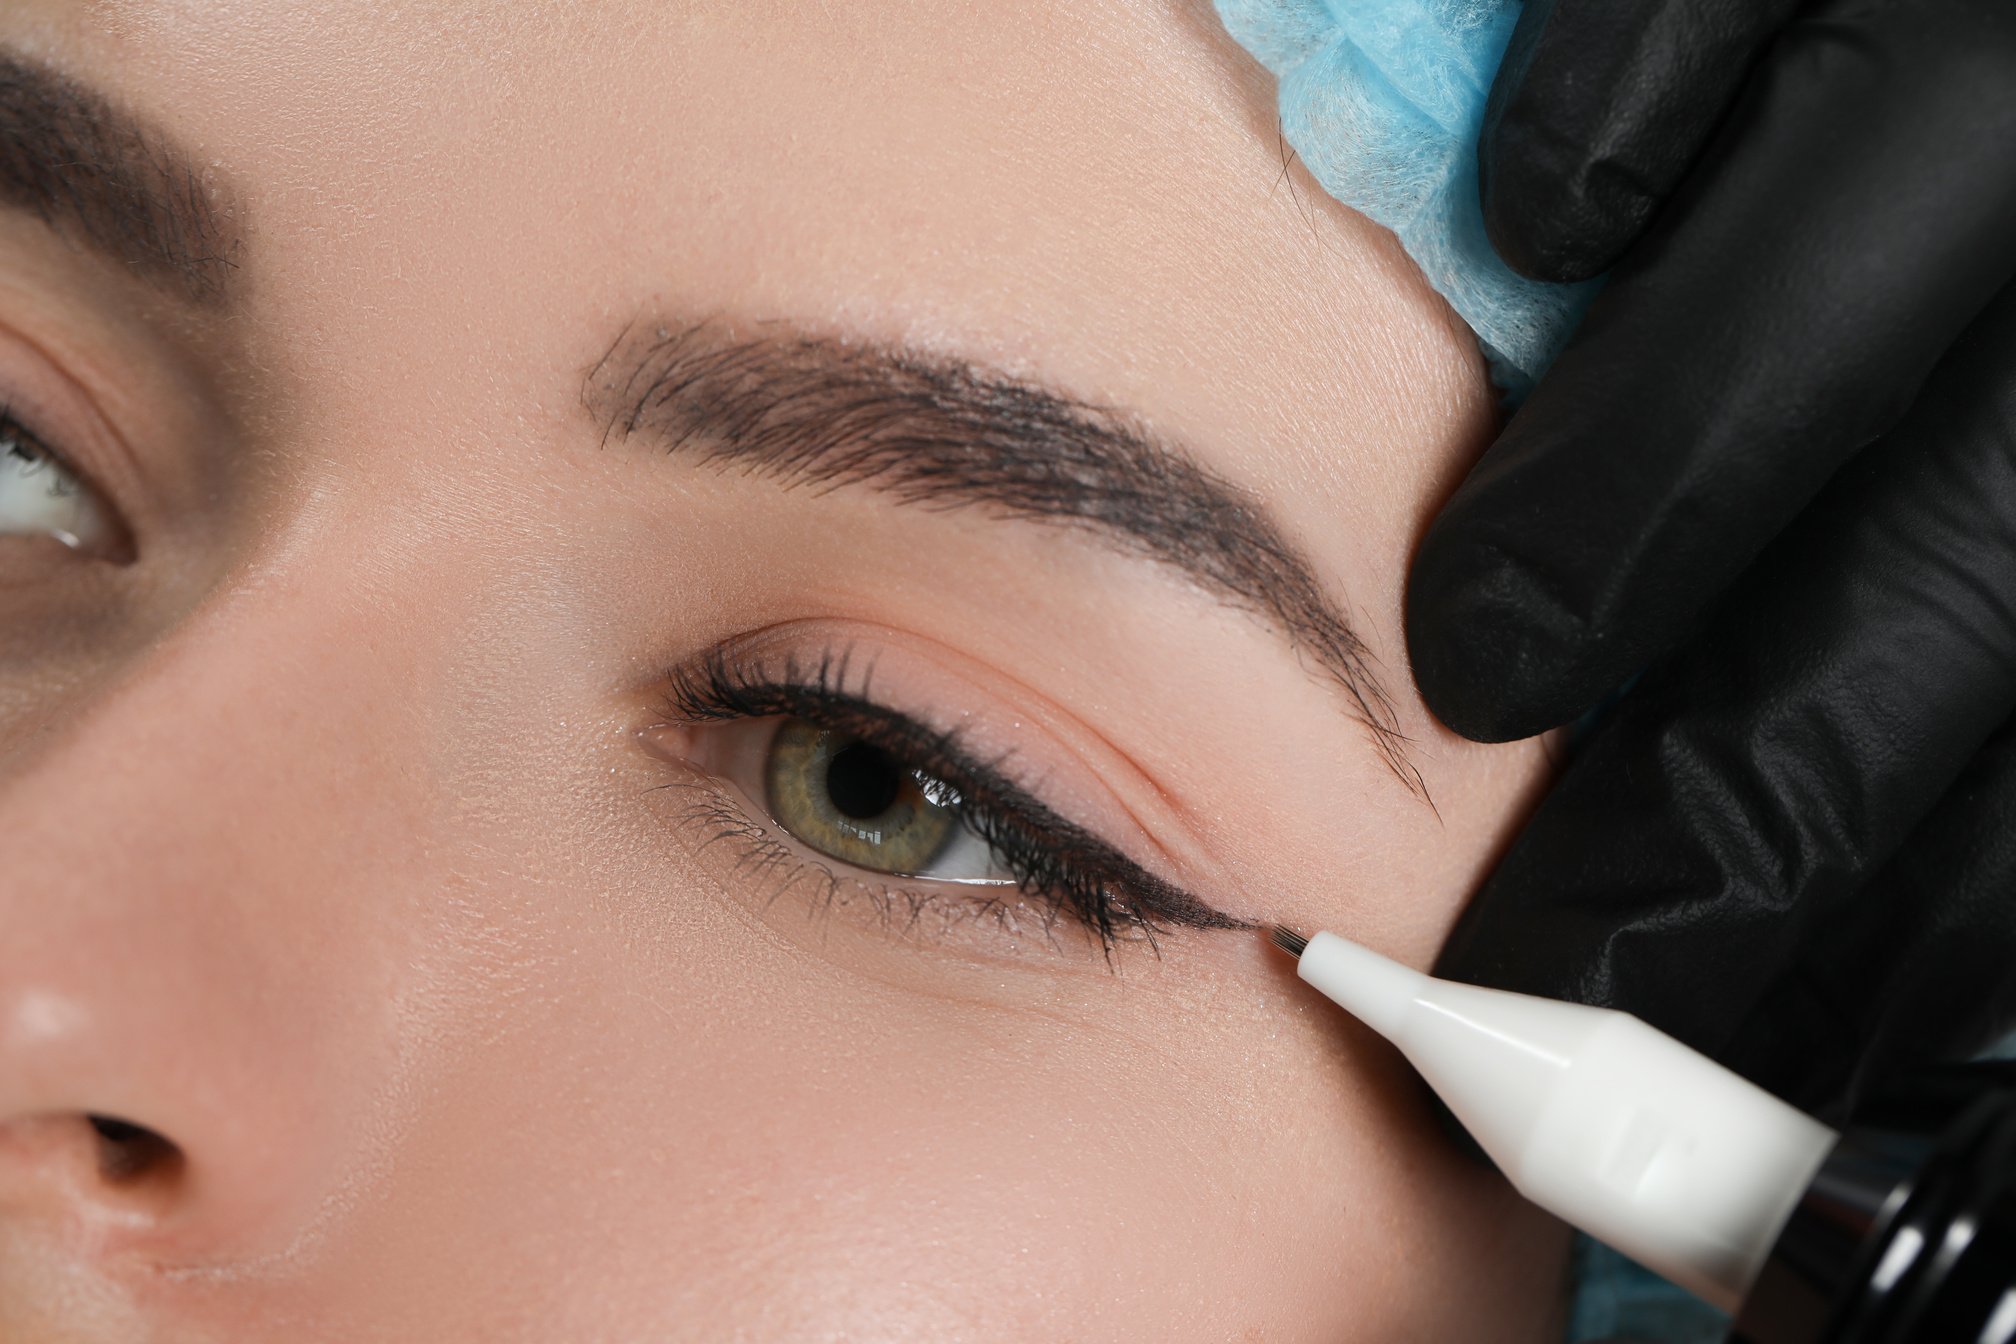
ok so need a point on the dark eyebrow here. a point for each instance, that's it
(823, 412)
(100, 174)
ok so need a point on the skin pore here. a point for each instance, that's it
(385, 824)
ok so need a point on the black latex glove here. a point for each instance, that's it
(1793, 843)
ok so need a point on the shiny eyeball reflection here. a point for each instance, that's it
(850, 800)
(41, 497)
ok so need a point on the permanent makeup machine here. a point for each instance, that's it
(1900, 1229)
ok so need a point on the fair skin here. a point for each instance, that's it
(355, 851)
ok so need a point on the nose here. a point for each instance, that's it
(150, 1087)
(59, 1146)
(195, 1008)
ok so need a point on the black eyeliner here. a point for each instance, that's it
(1051, 857)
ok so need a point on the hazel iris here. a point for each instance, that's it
(849, 799)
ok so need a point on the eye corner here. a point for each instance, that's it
(668, 738)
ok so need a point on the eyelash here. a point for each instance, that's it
(1053, 860)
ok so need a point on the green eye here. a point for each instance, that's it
(849, 799)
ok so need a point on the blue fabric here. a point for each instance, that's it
(1383, 99)
(1617, 1298)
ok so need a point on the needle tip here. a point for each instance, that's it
(1288, 940)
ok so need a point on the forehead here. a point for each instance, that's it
(755, 145)
(1028, 174)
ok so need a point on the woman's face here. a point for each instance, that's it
(544, 477)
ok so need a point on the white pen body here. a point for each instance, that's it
(1612, 1126)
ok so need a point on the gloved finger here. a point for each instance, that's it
(1598, 108)
(1742, 795)
(1780, 314)
(1918, 967)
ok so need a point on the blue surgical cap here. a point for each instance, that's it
(1383, 100)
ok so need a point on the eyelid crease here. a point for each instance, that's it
(1050, 854)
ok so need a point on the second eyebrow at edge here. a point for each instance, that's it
(83, 166)
(815, 411)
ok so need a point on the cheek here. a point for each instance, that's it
(807, 1155)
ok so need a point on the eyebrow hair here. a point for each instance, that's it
(819, 412)
(110, 179)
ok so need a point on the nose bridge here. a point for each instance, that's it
(198, 868)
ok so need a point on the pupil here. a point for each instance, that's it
(862, 781)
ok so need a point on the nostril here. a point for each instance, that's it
(129, 1154)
